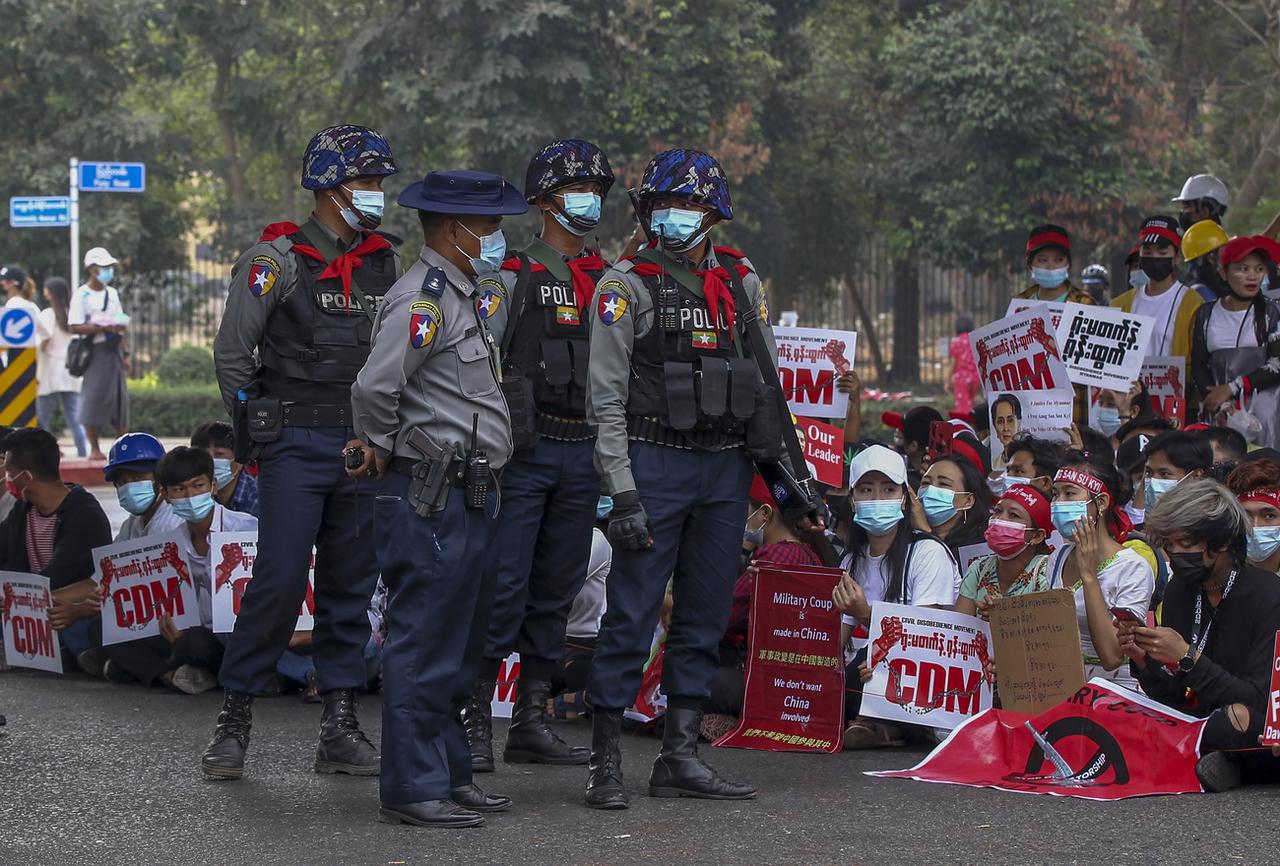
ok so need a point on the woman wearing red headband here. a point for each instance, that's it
(1256, 483)
(1016, 533)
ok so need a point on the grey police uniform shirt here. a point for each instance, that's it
(609, 379)
(495, 289)
(432, 365)
(235, 349)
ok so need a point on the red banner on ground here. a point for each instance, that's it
(795, 674)
(1102, 743)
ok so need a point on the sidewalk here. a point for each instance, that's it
(88, 473)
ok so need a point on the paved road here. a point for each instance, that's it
(99, 774)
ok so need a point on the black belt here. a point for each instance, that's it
(404, 466)
(301, 415)
(563, 429)
(653, 431)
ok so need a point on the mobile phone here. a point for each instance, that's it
(1124, 614)
(939, 439)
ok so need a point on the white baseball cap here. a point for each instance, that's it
(878, 458)
(98, 256)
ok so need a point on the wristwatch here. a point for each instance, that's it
(1188, 661)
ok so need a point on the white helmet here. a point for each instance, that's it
(1200, 186)
(98, 256)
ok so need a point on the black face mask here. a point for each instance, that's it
(1186, 219)
(1190, 567)
(1156, 267)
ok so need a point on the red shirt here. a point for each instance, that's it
(780, 553)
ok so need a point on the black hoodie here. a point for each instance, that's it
(82, 526)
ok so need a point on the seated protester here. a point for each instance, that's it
(583, 626)
(887, 561)
(1256, 483)
(1116, 408)
(185, 659)
(1032, 462)
(1020, 524)
(131, 467)
(1172, 458)
(1229, 448)
(953, 500)
(1150, 426)
(1104, 575)
(1213, 656)
(52, 531)
(237, 490)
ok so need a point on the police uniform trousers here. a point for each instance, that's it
(305, 498)
(697, 503)
(543, 549)
(439, 592)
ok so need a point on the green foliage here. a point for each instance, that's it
(186, 365)
(163, 410)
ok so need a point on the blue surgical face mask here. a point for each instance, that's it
(222, 472)
(193, 509)
(677, 226)
(1108, 419)
(1138, 279)
(1065, 515)
(604, 505)
(584, 207)
(939, 504)
(105, 275)
(136, 496)
(1015, 480)
(1263, 541)
(493, 250)
(366, 208)
(877, 516)
(753, 537)
(1154, 489)
(1049, 278)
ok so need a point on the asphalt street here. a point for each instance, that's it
(100, 774)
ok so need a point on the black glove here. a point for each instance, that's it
(629, 527)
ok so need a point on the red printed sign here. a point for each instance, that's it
(823, 450)
(140, 579)
(233, 554)
(1271, 730)
(795, 674)
(30, 641)
(1019, 353)
(809, 362)
(1103, 743)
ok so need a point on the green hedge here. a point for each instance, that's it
(162, 410)
(186, 366)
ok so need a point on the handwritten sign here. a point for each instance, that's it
(30, 640)
(1271, 729)
(140, 579)
(928, 666)
(1103, 347)
(1037, 645)
(809, 362)
(233, 555)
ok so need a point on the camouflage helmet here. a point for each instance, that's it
(342, 153)
(561, 163)
(690, 174)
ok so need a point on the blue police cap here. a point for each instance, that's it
(341, 153)
(464, 192)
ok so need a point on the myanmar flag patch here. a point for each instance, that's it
(567, 316)
(705, 340)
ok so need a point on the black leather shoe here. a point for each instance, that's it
(605, 789)
(223, 758)
(477, 719)
(343, 747)
(471, 797)
(679, 772)
(529, 739)
(430, 813)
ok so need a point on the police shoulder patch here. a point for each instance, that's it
(618, 287)
(264, 273)
(425, 322)
(612, 304)
(434, 281)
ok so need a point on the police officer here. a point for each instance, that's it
(429, 406)
(673, 394)
(537, 309)
(295, 334)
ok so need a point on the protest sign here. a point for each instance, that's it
(1054, 309)
(1163, 377)
(1103, 347)
(1271, 728)
(823, 450)
(1103, 743)
(809, 362)
(928, 666)
(232, 555)
(1043, 414)
(140, 579)
(1037, 647)
(794, 687)
(1019, 353)
(30, 640)
(650, 703)
(504, 691)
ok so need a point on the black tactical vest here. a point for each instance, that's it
(314, 346)
(549, 344)
(687, 371)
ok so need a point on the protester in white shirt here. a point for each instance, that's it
(55, 386)
(131, 468)
(96, 312)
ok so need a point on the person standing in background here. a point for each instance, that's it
(56, 386)
(18, 291)
(96, 312)
(963, 381)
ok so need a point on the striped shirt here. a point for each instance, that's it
(40, 532)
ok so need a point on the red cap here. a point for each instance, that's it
(760, 491)
(1048, 235)
(1035, 502)
(892, 419)
(1192, 428)
(1160, 228)
(1237, 248)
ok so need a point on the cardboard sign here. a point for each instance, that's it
(1043, 414)
(1103, 347)
(1052, 308)
(504, 690)
(232, 555)
(823, 450)
(1271, 729)
(1103, 743)
(1037, 645)
(928, 667)
(809, 362)
(140, 579)
(794, 690)
(1019, 353)
(30, 640)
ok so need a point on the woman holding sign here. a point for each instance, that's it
(1020, 523)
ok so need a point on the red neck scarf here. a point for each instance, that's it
(584, 284)
(715, 284)
(340, 267)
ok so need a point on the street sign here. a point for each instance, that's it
(39, 211)
(17, 329)
(112, 177)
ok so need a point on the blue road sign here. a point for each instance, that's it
(17, 328)
(39, 211)
(113, 177)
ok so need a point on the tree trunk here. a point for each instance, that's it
(1263, 168)
(906, 320)
(234, 172)
(867, 331)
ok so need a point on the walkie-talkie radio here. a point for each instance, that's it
(477, 475)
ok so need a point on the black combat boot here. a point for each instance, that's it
(224, 756)
(530, 739)
(604, 771)
(477, 719)
(343, 746)
(679, 772)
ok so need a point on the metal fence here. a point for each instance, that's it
(174, 308)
